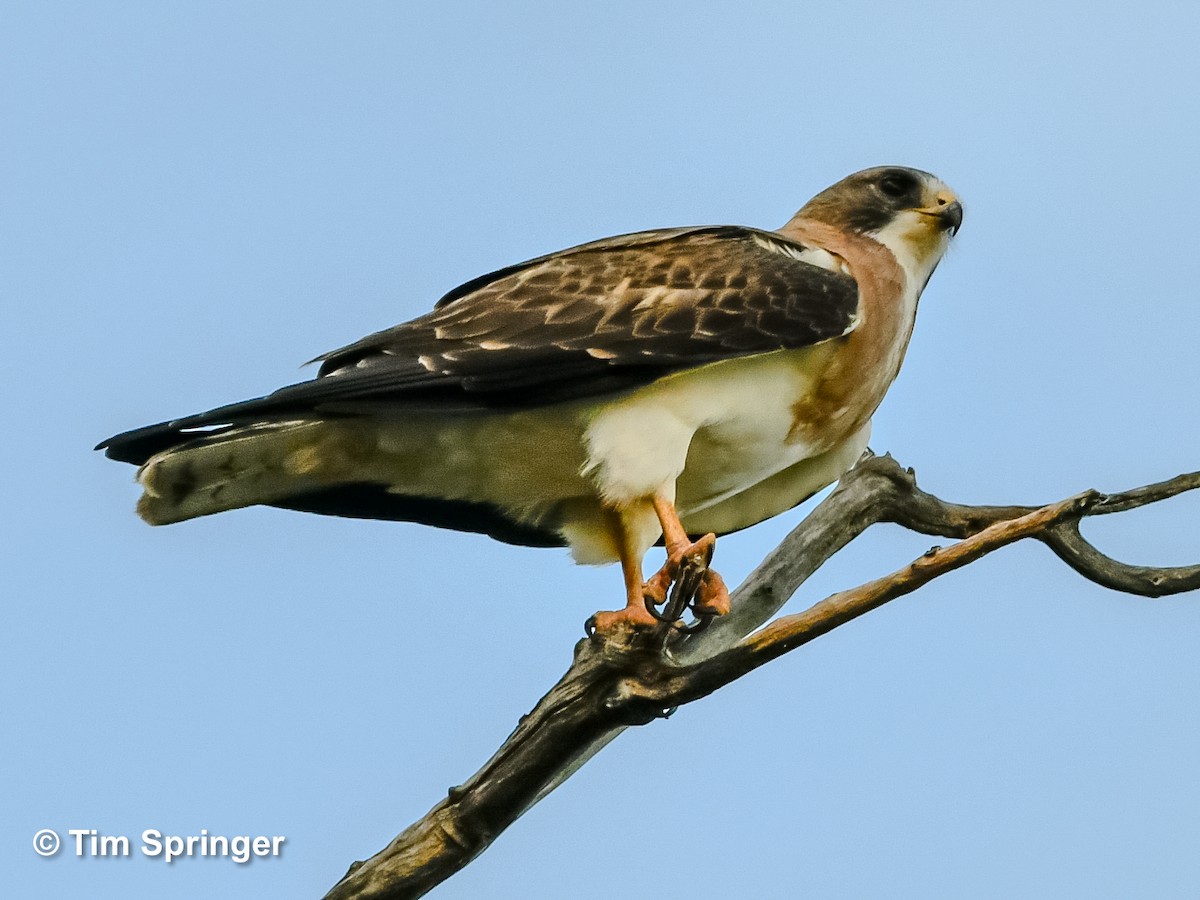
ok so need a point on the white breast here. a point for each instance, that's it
(718, 429)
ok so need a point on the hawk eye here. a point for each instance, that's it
(896, 184)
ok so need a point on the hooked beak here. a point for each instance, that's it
(950, 217)
(945, 210)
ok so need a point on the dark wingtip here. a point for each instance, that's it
(140, 444)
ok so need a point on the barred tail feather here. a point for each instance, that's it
(261, 463)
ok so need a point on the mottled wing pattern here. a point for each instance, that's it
(631, 307)
(597, 318)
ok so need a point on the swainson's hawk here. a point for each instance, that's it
(687, 381)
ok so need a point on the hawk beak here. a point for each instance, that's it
(945, 210)
(950, 216)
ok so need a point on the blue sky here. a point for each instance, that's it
(198, 197)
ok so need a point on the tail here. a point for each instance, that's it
(263, 463)
(331, 466)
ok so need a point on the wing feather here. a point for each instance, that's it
(594, 319)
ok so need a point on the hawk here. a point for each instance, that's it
(671, 385)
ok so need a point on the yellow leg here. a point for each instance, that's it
(635, 612)
(713, 597)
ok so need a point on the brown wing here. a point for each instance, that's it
(622, 310)
(594, 319)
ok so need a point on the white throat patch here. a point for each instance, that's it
(917, 243)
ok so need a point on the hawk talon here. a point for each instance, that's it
(633, 616)
(697, 626)
(694, 588)
(682, 597)
(713, 598)
(656, 589)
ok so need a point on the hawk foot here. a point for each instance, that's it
(635, 616)
(713, 597)
(686, 583)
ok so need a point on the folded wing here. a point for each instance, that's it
(595, 319)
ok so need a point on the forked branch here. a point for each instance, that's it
(632, 678)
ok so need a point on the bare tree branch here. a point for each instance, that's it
(1147, 581)
(631, 678)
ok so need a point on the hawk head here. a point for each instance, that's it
(912, 213)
